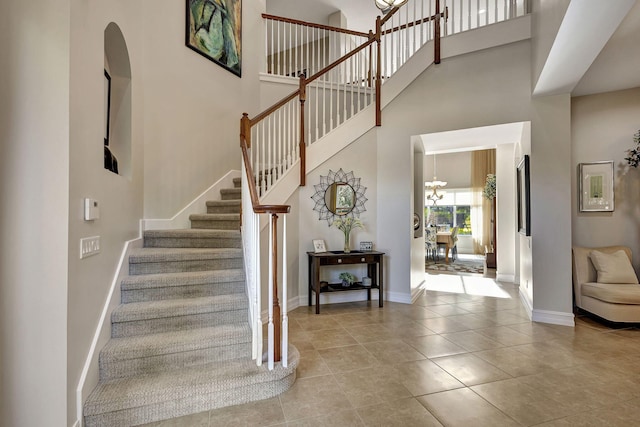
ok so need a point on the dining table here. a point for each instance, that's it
(446, 238)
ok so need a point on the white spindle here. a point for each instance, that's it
(290, 51)
(258, 291)
(285, 318)
(270, 337)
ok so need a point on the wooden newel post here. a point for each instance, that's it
(436, 35)
(277, 352)
(245, 129)
(378, 72)
(303, 145)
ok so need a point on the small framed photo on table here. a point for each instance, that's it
(596, 187)
(319, 246)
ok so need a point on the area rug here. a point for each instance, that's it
(457, 266)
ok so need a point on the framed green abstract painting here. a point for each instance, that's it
(214, 30)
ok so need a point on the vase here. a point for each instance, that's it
(347, 244)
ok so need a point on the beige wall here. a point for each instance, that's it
(192, 107)
(454, 168)
(34, 192)
(119, 197)
(602, 128)
(547, 18)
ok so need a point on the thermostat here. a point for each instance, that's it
(91, 209)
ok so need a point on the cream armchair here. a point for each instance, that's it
(605, 284)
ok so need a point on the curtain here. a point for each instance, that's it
(483, 162)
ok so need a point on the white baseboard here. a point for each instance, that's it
(507, 278)
(76, 424)
(418, 291)
(292, 304)
(197, 205)
(554, 317)
(103, 330)
(546, 316)
(527, 304)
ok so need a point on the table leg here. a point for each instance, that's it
(310, 278)
(446, 253)
(380, 280)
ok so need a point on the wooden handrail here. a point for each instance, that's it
(343, 58)
(313, 25)
(253, 192)
(410, 24)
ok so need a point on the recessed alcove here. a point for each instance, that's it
(117, 101)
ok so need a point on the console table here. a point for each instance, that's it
(374, 271)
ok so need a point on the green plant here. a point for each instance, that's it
(347, 224)
(489, 191)
(634, 153)
(347, 277)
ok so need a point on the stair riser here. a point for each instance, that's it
(186, 242)
(110, 369)
(167, 324)
(183, 291)
(177, 407)
(216, 224)
(184, 266)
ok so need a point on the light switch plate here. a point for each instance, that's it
(89, 246)
(91, 209)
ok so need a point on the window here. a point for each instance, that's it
(453, 210)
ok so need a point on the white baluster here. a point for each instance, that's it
(270, 328)
(285, 318)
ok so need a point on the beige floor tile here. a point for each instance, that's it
(393, 352)
(347, 358)
(317, 322)
(472, 341)
(311, 365)
(371, 386)
(313, 397)
(464, 408)
(443, 325)
(361, 318)
(424, 377)
(370, 333)
(341, 418)
(470, 370)
(408, 329)
(623, 414)
(331, 338)
(402, 413)
(197, 420)
(435, 346)
(505, 335)
(513, 362)
(473, 321)
(262, 413)
(524, 404)
(447, 309)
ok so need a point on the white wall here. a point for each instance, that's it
(192, 107)
(505, 213)
(602, 128)
(34, 135)
(119, 197)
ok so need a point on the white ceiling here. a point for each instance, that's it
(616, 67)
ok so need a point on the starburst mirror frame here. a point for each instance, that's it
(326, 182)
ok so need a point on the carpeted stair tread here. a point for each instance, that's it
(231, 193)
(140, 255)
(163, 280)
(137, 311)
(196, 381)
(175, 342)
(215, 217)
(194, 233)
(232, 202)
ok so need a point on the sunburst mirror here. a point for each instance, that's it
(339, 194)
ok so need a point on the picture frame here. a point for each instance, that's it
(596, 187)
(214, 30)
(319, 246)
(523, 199)
(366, 246)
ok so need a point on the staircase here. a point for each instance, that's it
(181, 341)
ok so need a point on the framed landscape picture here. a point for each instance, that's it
(596, 187)
(214, 30)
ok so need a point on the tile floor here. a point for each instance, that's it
(464, 354)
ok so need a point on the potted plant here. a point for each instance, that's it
(634, 153)
(346, 225)
(489, 192)
(347, 279)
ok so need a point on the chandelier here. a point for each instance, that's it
(387, 5)
(434, 185)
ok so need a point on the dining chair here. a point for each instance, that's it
(431, 242)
